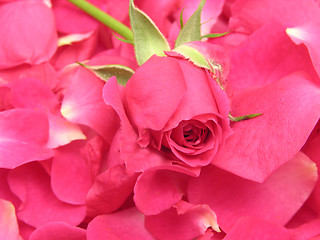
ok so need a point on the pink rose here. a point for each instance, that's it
(170, 106)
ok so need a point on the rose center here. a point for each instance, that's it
(194, 135)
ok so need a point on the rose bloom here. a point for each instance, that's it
(170, 106)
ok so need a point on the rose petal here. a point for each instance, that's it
(125, 225)
(153, 94)
(9, 229)
(70, 174)
(28, 33)
(83, 104)
(58, 231)
(109, 191)
(24, 134)
(307, 230)
(259, 146)
(183, 221)
(254, 228)
(275, 200)
(39, 205)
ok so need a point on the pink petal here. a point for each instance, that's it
(31, 93)
(28, 33)
(232, 197)
(253, 228)
(9, 229)
(154, 92)
(183, 221)
(109, 191)
(158, 190)
(39, 205)
(44, 72)
(248, 15)
(24, 134)
(269, 55)
(259, 146)
(308, 34)
(83, 104)
(70, 174)
(125, 225)
(5, 192)
(136, 158)
(307, 230)
(58, 231)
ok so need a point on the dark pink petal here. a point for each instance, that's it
(70, 174)
(9, 229)
(83, 104)
(276, 200)
(308, 34)
(28, 33)
(25, 230)
(259, 146)
(39, 205)
(136, 158)
(183, 221)
(312, 150)
(123, 225)
(269, 55)
(109, 191)
(248, 228)
(23, 135)
(5, 192)
(58, 231)
(154, 92)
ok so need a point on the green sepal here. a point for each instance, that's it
(244, 117)
(215, 35)
(147, 38)
(191, 31)
(104, 72)
(193, 55)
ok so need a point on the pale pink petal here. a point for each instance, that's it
(109, 191)
(123, 225)
(83, 104)
(58, 231)
(39, 205)
(183, 221)
(276, 200)
(9, 229)
(248, 228)
(70, 174)
(28, 33)
(23, 135)
(259, 146)
(309, 35)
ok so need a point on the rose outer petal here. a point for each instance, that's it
(290, 108)
(276, 200)
(9, 229)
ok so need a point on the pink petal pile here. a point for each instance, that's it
(159, 158)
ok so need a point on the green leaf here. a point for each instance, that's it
(193, 55)
(104, 72)
(214, 35)
(192, 29)
(244, 117)
(147, 38)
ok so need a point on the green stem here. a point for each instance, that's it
(103, 17)
(245, 117)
